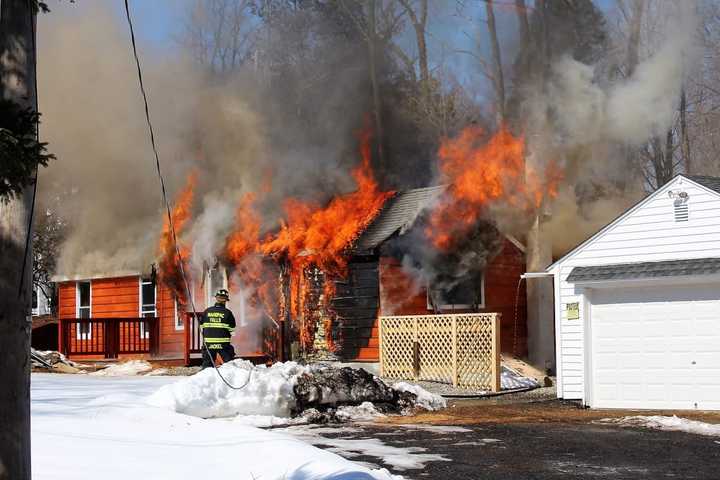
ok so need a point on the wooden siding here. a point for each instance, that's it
(400, 294)
(172, 339)
(646, 233)
(120, 297)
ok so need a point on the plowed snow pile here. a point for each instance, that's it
(289, 391)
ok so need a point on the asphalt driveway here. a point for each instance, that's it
(542, 440)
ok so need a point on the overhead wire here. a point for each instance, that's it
(171, 224)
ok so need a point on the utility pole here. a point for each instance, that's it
(17, 83)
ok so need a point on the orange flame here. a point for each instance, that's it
(481, 172)
(310, 235)
(169, 264)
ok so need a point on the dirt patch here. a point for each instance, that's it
(469, 412)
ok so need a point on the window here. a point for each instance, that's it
(35, 300)
(179, 318)
(467, 294)
(83, 302)
(216, 281)
(148, 305)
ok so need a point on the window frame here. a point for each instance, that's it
(79, 333)
(458, 306)
(210, 291)
(179, 325)
(35, 300)
(145, 332)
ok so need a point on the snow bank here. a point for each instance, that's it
(274, 394)
(125, 369)
(425, 399)
(268, 393)
(674, 423)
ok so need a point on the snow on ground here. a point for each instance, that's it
(659, 422)
(425, 399)
(103, 427)
(400, 458)
(512, 380)
(124, 369)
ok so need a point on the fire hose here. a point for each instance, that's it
(215, 366)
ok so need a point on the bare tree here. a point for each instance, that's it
(219, 34)
(419, 23)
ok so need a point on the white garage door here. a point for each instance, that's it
(656, 347)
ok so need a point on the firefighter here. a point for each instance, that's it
(217, 325)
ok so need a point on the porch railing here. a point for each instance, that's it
(109, 337)
(193, 335)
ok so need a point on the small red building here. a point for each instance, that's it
(130, 315)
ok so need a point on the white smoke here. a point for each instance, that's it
(632, 110)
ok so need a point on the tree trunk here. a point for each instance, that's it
(17, 81)
(372, 50)
(684, 139)
(523, 24)
(539, 291)
(419, 25)
(669, 165)
(422, 50)
(498, 80)
(634, 40)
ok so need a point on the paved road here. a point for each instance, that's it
(519, 451)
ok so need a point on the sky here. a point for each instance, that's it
(155, 21)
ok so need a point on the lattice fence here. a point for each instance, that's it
(462, 349)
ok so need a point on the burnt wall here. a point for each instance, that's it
(356, 303)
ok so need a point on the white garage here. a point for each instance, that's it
(637, 306)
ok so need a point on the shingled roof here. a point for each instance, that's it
(713, 183)
(632, 271)
(397, 215)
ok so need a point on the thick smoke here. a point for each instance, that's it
(596, 121)
(93, 117)
(224, 128)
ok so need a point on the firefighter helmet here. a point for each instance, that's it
(222, 293)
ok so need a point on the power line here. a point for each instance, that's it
(164, 193)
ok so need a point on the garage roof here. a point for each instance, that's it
(629, 271)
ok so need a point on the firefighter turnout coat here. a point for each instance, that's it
(217, 324)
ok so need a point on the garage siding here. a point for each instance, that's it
(646, 233)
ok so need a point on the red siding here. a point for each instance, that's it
(172, 341)
(66, 300)
(120, 297)
(400, 294)
(116, 297)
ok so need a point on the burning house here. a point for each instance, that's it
(314, 284)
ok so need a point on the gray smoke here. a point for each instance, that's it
(221, 128)
(633, 110)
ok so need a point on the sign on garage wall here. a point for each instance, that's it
(573, 310)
